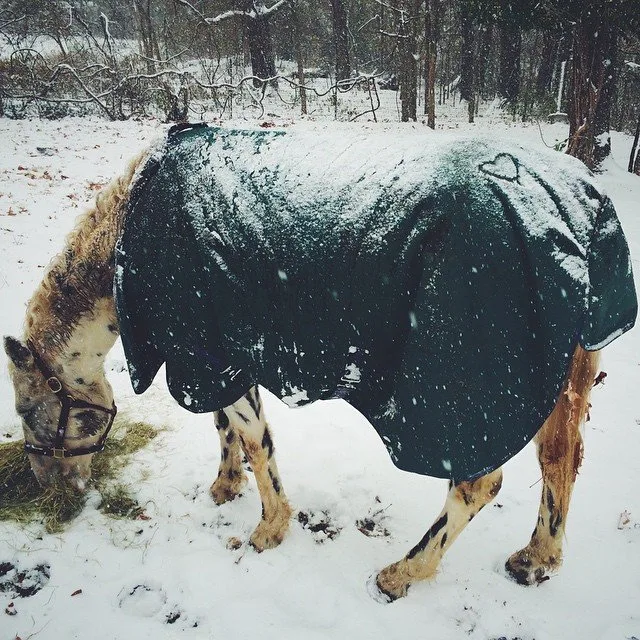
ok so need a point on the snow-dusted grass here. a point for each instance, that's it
(160, 577)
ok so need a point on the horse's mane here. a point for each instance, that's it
(83, 272)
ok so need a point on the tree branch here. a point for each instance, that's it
(258, 11)
(10, 22)
(266, 11)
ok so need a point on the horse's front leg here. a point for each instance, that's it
(231, 476)
(247, 418)
(463, 503)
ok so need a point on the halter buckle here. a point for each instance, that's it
(54, 384)
(59, 453)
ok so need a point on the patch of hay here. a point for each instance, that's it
(23, 500)
(118, 503)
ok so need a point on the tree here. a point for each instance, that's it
(255, 16)
(431, 36)
(341, 39)
(510, 49)
(467, 59)
(406, 19)
(598, 24)
(256, 22)
(147, 36)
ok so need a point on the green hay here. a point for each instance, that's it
(24, 501)
(118, 503)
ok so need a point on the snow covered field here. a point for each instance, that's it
(172, 575)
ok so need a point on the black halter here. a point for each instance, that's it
(67, 402)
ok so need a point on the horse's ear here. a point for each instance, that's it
(17, 352)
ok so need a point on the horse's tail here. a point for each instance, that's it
(560, 436)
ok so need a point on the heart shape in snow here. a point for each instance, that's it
(504, 166)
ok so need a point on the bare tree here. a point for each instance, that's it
(255, 16)
(405, 22)
(341, 39)
(431, 36)
(510, 50)
(467, 61)
(147, 38)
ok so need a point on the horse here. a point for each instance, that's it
(67, 404)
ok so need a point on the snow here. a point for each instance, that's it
(157, 578)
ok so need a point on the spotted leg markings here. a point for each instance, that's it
(231, 478)
(542, 557)
(23, 583)
(253, 398)
(421, 563)
(247, 419)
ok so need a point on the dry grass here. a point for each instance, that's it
(23, 500)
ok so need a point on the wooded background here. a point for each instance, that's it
(577, 60)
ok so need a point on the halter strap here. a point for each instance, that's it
(67, 402)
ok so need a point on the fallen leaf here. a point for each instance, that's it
(77, 592)
(600, 378)
(233, 543)
(625, 519)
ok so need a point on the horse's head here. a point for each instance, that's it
(62, 429)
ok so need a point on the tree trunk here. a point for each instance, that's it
(431, 35)
(407, 52)
(263, 59)
(634, 158)
(148, 41)
(341, 39)
(510, 48)
(602, 124)
(484, 55)
(547, 61)
(297, 23)
(590, 70)
(466, 55)
(382, 36)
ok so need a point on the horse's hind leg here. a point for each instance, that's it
(247, 418)
(559, 447)
(463, 503)
(231, 476)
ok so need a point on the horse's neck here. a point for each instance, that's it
(71, 318)
(82, 360)
(79, 360)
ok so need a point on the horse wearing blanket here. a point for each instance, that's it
(456, 295)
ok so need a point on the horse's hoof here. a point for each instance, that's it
(525, 570)
(269, 535)
(262, 542)
(222, 490)
(377, 592)
(390, 586)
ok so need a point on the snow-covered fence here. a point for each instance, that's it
(94, 78)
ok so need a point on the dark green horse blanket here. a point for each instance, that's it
(439, 285)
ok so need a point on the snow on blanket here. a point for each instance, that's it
(440, 288)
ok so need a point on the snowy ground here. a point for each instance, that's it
(172, 576)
